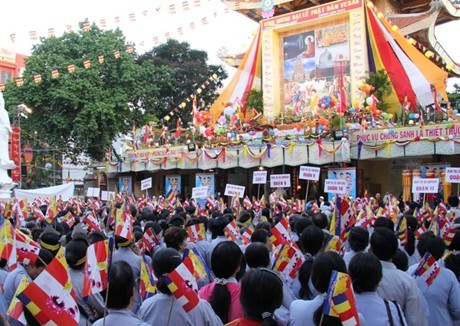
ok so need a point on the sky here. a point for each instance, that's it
(152, 19)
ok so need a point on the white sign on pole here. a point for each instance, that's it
(107, 195)
(200, 192)
(93, 192)
(426, 186)
(309, 173)
(280, 180)
(453, 175)
(259, 177)
(234, 190)
(335, 186)
(146, 184)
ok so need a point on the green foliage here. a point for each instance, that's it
(382, 85)
(255, 100)
(454, 98)
(83, 111)
(187, 71)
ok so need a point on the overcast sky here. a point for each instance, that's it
(152, 18)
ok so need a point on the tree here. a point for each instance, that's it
(85, 110)
(189, 71)
(382, 87)
(454, 98)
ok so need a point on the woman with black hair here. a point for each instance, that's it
(310, 312)
(163, 308)
(311, 241)
(120, 297)
(261, 295)
(92, 306)
(452, 259)
(366, 272)
(217, 228)
(223, 294)
(409, 248)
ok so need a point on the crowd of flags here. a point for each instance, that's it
(50, 297)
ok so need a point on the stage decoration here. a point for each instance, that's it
(407, 185)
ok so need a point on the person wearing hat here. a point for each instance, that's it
(321, 201)
(49, 239)
(126, 253)
(163, 308)
(75, 254)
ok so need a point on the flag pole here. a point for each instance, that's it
(306, 192)
(111, 245)
(258, 191)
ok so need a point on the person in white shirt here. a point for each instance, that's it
(365, 271)
(443, 295)
(397, 285)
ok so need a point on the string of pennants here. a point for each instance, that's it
(56, 73)
(431, 55)
(170, 9)
(215, 77)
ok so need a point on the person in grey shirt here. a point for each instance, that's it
(163, 308)
(120, 297)
(92, 305)
(397, 285)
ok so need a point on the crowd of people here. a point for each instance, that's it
(258, 263)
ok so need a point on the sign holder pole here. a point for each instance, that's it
(258, 191)
(306, 192)
(424, 199)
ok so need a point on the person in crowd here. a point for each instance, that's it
(365, 271)
(217, 227)
(309, 312)
(120, 297)
(452, 259)
(453, 213)
(292, 222)
(263, 236)
(176, 237)
(395, 284)
(443, 295)
(204, 247)
(50, 240)
(311, 241)
(257, 255)
(409, 248)
(321, 221)
(31, 271)
(400, 260)
(358, 240)
(92, 306)
(261, 295)
(163, 309)
(223, 294)
(126, 252)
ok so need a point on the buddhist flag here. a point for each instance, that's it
(16, 309)
(196, 232)
(50, 297)
(288, 261)
(246, 236)
(231, 231)
(124, 224)
(420, 231)
(147, 282)
(7, 243)
(333, 243)
(402, 232)
(200, 267)
(280, 233)
(340, 300)
(183, 286)
(428, 269)
(96, 268)
(68, 219)
(149, 240)
(92, 222)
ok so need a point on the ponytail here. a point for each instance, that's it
(220, 301)
(304, 278)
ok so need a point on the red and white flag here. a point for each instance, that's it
(149, 240)
(196, 232)
(92, 222)
(231, 231)
(96, 267)
(181, 282)
(246, 236)
(428, 269)
(26, 249)
(280, 233)
(288, 261)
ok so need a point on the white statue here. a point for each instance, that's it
(5, 131)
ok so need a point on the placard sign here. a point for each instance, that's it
(453, 175)
(334, 186)
(280, 180)
(426, 186)
(200, 192)
(309, 173)
(146, 184)
(93, 192)
(259, 177)
(234, 190)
